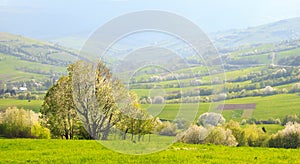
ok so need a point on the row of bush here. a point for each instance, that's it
(212, 129)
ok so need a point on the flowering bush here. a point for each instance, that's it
(289, 137)
(212, 119)
(193, 135)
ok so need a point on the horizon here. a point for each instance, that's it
(46, 19)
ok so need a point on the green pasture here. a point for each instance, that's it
(90, 151)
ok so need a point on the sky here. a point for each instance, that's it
(53, 18)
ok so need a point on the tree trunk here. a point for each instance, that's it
(124, 137)
(94, 129)
(66, 136)
(107, 128)
(139, 137)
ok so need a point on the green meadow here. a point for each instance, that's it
(90, 151)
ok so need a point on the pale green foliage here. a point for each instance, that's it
(220, 136)
(213, 119)
(182, 123)
(135, 120)
(95, 93)
(58, 110)
(19, 123)
(194, 135)
(167, 129)
(40, 132)
(290, 118)
(255, 136)
(295, 88)
(289, 137)
(237, 132)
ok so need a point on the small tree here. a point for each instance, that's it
(134, 119)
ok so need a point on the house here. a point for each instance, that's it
(22, 89)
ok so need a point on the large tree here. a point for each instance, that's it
(96, 94)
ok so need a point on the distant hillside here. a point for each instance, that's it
(23, 59)
(35, 51)
(288, 29)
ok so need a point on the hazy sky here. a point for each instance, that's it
(51, 18)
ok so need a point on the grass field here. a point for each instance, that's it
(34, 105)
(79, 151)
(276, 106)
(271, 128)
(11, 69)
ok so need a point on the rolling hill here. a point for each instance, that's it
(24, 59)
(288, 29)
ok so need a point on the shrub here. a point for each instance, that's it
(193, 135)
(290, 118)
(268, 90)
(289, 137)
(295, 88)
(255, 136)
(167, 129)
(37, 131)
(268, 121)
(181, 123)
(158, 100)
(220, 136)
(17, 123)
(237, 132)
(201, 135)
(213, 119)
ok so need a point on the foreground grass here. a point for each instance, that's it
(62, 151)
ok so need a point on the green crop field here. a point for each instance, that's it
(79, 151)
(12, 69)
(276, 106)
